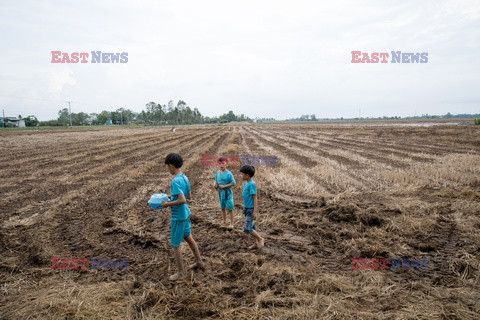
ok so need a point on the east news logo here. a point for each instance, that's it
(382, 57)
(97, 57)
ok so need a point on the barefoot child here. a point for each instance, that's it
(224, 181)
(180, 222)
(250, 206)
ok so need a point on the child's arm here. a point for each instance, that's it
(216, 183)
(189, 197)
(255, 206)
(181, 200)
(232, 183)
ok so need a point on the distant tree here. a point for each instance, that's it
(231, 116)
(79, 119)
(31, 121)
(143, 116)
(103, 117)
(128, 116)
(92, 118)
(172, 113)
(115, 117)
(157, 112)
(197, 116)
(63, 116)
(227, 117)
(184, 113)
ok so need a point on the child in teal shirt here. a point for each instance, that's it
(180, 225)
(250, 206)
(224, 181)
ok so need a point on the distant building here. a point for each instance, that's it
(12, 122)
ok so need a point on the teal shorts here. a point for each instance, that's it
(179, 229)
(227, 204)
(227, 201)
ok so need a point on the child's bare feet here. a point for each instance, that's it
(253, 246)
(261, 243)
(177, 276)
(230, 226)
(197, 265)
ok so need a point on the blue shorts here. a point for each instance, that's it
(249, 223)
(179, 229)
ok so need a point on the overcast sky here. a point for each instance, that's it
(261, 58)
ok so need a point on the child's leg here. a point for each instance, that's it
(224, 215)
(259, 241)
(231, 218)
(229, 205)
(177, 230)
(177, 252)
(198, 259)
(250, 226)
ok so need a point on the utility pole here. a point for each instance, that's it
(70, 111)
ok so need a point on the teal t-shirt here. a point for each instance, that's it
(249, 188)
(224, 178)
(180, 185)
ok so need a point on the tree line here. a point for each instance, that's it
(153, 114)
